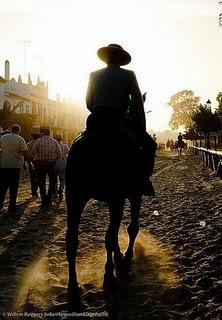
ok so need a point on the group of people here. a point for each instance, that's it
(170, 145)
(45, 156)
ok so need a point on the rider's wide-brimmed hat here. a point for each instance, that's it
(115, 52)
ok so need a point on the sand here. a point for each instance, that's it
(176, 272)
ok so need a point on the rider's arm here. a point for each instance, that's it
(137, 104)
(89, 94)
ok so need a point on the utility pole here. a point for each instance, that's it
(25, 43)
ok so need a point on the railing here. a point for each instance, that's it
(210, 158)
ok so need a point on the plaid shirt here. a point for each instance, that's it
(46, 149)
(61, 163)
(64, 149)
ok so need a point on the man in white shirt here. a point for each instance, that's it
(12, 148)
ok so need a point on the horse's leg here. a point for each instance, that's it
(111, 239)
(75, 206)
(117, 221)
(133, 228)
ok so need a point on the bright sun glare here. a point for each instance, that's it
(167, 43)
(72, 56)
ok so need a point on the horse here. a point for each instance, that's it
(180, 145)
(105, 167)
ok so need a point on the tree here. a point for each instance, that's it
(206, 122)
(219, 100)
(190, 134)
(184, 104)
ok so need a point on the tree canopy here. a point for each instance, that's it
(184, 104)
(190, 134)
(218, 110)
(25, 120)
(205, 121)
(219, 100)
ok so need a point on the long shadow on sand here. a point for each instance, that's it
(8, 221)
(21, 247)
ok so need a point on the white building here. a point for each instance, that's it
(25, 98)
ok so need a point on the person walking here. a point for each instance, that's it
(12, 147)
(45, 153)
(154, 137)
(33, 176)
(60, 167)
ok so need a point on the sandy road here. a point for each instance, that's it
(176, 271)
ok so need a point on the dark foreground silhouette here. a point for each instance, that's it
(106, 168)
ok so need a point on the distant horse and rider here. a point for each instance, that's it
(180, 144)
(111, 161)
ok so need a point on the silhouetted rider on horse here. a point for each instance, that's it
(111, 161)
(180, 144)
(116, 105)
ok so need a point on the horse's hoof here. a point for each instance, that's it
(110, 281)
(73, 297)
(128, 256)
(125, 266)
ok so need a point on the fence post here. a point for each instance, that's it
(213, 163)
(219, 168)
(210, 158)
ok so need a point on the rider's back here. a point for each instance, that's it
(110, 87)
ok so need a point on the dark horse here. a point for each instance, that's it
(180, 145)
(108, 168)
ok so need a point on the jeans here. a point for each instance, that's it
(9, 180)
(44, 169)
(33, 180)
(60, 173)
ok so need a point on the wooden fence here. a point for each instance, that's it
(210, 158)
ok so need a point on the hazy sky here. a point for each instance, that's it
(174, 44)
